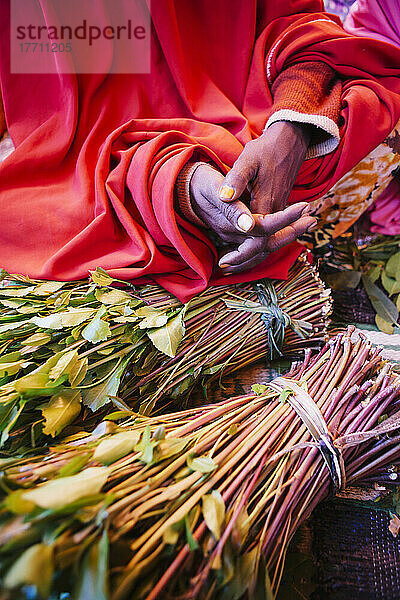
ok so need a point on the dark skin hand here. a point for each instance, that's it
(267, 169)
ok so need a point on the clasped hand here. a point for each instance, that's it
(265, 172)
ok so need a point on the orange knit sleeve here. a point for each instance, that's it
(309, 93)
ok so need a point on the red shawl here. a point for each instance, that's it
(91, 180)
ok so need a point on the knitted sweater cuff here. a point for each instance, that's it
(309, 93)
(182, 189)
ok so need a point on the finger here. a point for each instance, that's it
(238, 215)
(246, 265)
(235, 182)
(252, 247)
(291, 233)
(269, 224)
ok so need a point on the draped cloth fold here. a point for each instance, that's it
(92, 177)
(379, 19)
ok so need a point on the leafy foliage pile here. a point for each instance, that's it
(67, 345)
(376, 264)
(200, 503)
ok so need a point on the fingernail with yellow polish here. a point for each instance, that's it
(313, 226)
(245, 222)
(226, 192)
(224, 266)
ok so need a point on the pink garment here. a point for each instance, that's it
(385, 214)
(379, 19)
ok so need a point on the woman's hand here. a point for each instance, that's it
(268, 168)
(251, 237)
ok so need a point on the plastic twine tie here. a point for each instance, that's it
(275, 319)
(308, 411)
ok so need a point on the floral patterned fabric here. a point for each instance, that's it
(355, 192)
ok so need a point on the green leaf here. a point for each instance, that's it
(37, 339)
(383, 306)
(167, 338)
(61, 410)
(31, 382)
(113, 296)
(392, 286)
(10, 368)
(214, 512)
(374, 273)
(101, 277)
(259, 388)
(92, 583)
(53, 321)
(16, 292)
(10, 326)
(61, 492)
(97, 330)
(392, 266)
(99, 395)
(147, 311)
(78, 372)
(64, 365)
(157, 319)
(237, 586)
(125, 319)
(35, 567)
(17, 504)
(76, 316)
(75, 465)
(14, 303)
(48, 287)
(192, 543)
(63, 299)
(284, 395)
(145, 446)
(10, 357)
(203, 464)
(170, 447)
(116, 446)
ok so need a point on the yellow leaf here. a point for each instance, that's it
(383, 325)
(203, 464)
(66, 490)
(101, 277)
(116, 446)
(157, 319)
(393, 265)
(214, 512)
(170, 447)
(78, 372)
(60, 411)
(112, 296)
(48, 287)
(171, 535)
(167, 338)
(37, 339)
(34, 567)
(65, 363)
